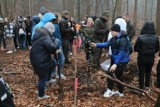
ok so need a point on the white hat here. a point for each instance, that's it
(50, 27)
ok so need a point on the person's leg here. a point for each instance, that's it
(142, 68)
(52, 70)
(148, 71)
(119, 75)
(41, 85)
(158, 75)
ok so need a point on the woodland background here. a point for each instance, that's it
(139, 10)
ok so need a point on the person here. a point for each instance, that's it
(28, 30)
(130, 27)
(6, 97)
(66, 30)
(101, 31)
(2, 39)
(57, 35)
(123, 26)
(119, 58)
(21, 29)
(46, 18)
(88, 32)
(147, 44)
(40, 56)
(158, 74)
(9, 34)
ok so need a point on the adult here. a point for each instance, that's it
(147, 45)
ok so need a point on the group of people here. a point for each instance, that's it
(53, 34)
(15, 34)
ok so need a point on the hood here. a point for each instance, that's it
(35, 19)
(40, 32)
(148, 28)
(48, 17)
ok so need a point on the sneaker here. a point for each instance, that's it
(10, 52)
(44, 97)
(118, 93)
(147, 89)
(51, 81)
(62, 76)
(108, 93)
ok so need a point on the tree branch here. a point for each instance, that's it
(124, 84)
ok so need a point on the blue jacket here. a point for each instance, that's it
(57, 34)
(46, 18)
(119, 46)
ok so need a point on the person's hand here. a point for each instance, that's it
(93, 44)
(113, 68)
(29, 33)
(72, 28)
(58, 51)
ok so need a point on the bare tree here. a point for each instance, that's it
(158, 17)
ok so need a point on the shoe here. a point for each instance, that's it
(62, 76)
(44, 97)
(108, 93)
(118, 93)
(10, 52)
(147, 89)
(51, 81)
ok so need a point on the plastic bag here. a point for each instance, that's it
(106, 64)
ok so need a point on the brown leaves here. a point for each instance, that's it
(17, 71)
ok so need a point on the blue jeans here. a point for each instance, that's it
(44, 78)
(61, 59)
(22, 41)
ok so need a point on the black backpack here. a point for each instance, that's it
(5, 96)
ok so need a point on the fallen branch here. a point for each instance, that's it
(124, 84)
(11, 73)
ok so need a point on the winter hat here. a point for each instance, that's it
(1, 20)
(106, 13)
(50, 27)
(116, 28)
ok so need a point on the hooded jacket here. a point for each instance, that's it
(147, 43)
(119, 47)
(46, 18)
(42, 48)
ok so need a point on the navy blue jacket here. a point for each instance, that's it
(42, 48)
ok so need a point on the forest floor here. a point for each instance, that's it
(17, 72)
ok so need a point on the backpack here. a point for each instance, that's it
(21, 30)
(5, 95)
(129, 47)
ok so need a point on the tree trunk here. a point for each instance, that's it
(135, 14)
(158, 18)
(157, 104)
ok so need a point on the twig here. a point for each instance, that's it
(124, 84)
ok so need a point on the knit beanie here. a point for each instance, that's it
(50, 27)
(116, 28)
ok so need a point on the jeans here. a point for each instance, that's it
(22, 41)
(61, 60)
(43, 79)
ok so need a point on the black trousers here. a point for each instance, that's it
(118, 74)
(2, 40)
(158, 75)
(145, 64)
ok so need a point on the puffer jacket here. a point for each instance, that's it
(119, 47)
(42, 48)
(46, 18)
(147, 43)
